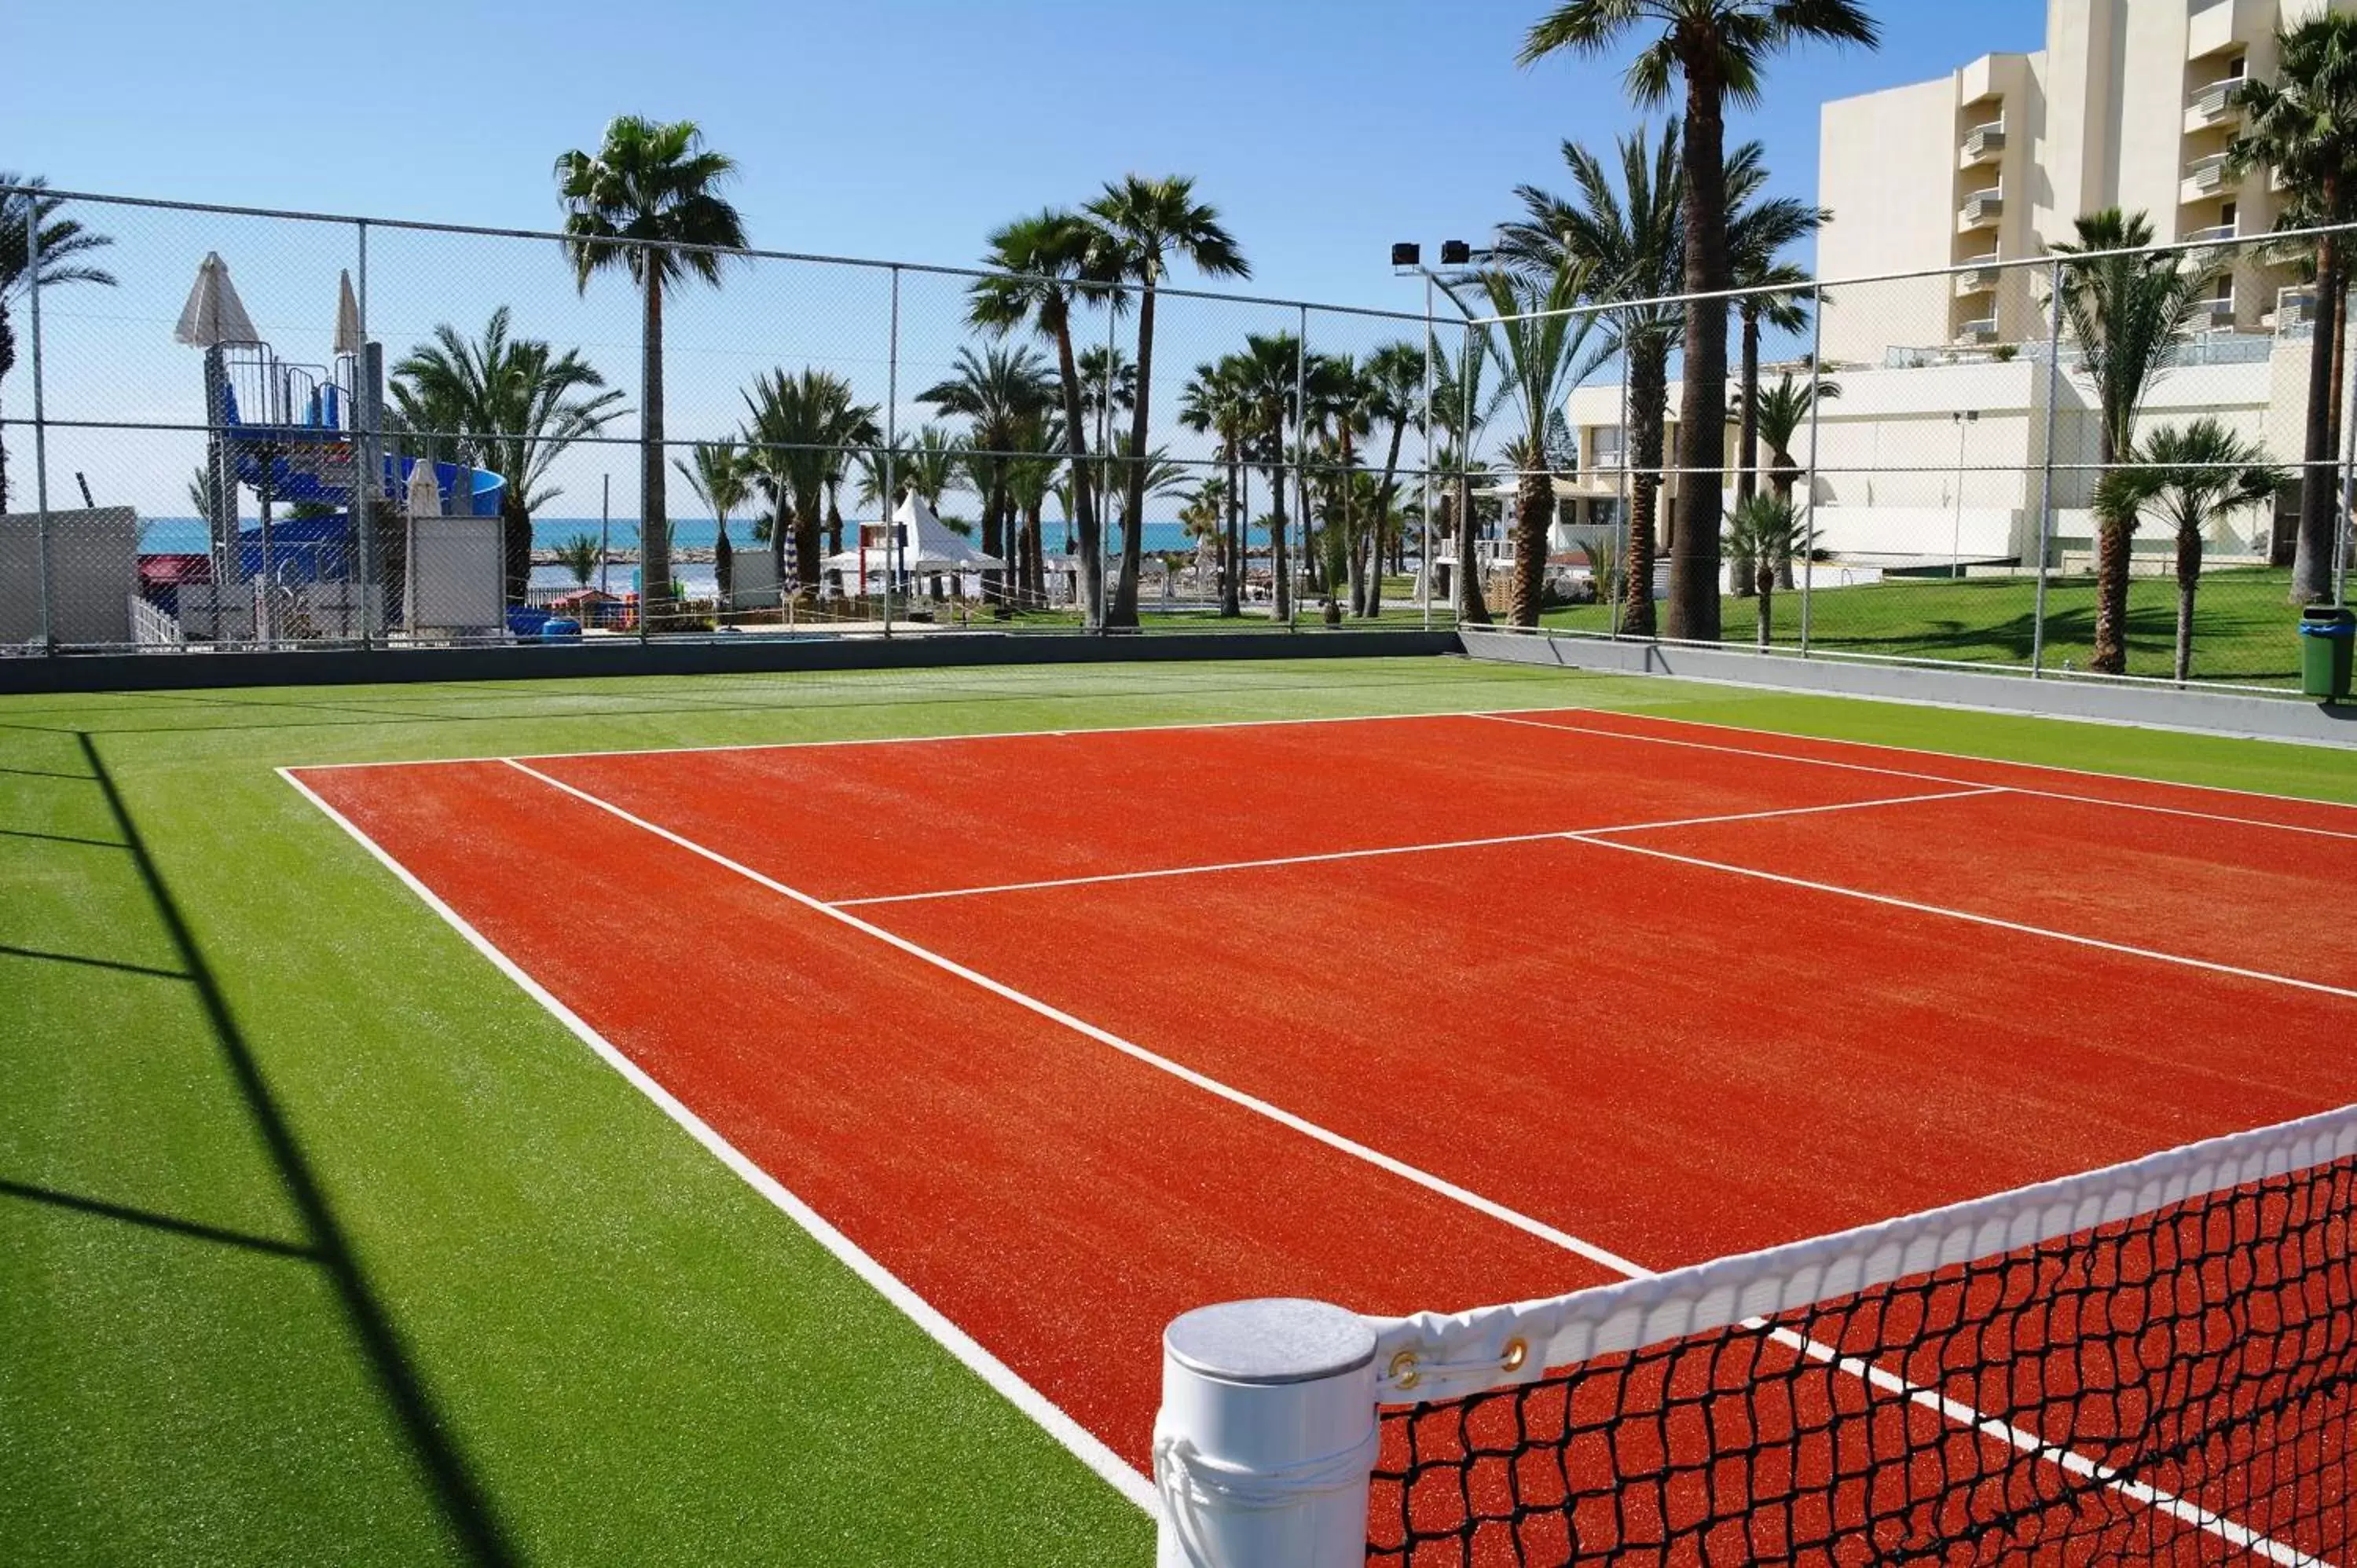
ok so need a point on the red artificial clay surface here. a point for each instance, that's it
(1671, 1061)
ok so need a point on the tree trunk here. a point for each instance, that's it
(806, 556)
(654, 522)
(2111, 533)
(1702, 412)
(994, 542)
(1076, 447)
(1472, 604)
(1231, 569)
(1386, 498)
(1534, 512)
(724, 565)
(2311, 570)
(1035, 552)
(1767, 605)
(1280, 571)
(1747, 481)
(1648, 390)
(1124, 610)
(515, 539)
(2188, 579)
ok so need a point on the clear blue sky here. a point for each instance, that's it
(900, 129)
(894, 128)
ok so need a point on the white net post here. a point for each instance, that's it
(1266, 1437)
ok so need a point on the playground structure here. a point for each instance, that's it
(374, 542)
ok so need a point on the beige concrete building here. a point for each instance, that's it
(2125, 106)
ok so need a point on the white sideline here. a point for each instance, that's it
(1381, 852)
(1084, 1444)
(1966, 915)
(2025, 1441)
(1941, 778)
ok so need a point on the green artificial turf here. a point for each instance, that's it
(319, 1242)
(2242, 623)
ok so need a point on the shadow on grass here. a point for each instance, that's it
(40, 955)
(153, 1221)
(463, 1505)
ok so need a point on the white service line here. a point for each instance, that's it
(1966, 915)
(2028, 789)
(1100, 877)
(2024, 1441)
(1084, 1444)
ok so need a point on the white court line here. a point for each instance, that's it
(1330, 856)
(1084, 1444)
(1966, 915)
(2021, 1440)
(1943, 778)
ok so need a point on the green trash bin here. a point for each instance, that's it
(2328, 634)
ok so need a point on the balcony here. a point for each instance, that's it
(2204, 177)
(1981, 210)
(1980, 276)
(1980, 331)
(2213, 106)
(2217, 315)
(2295, 311)
(1983, 144)
(2216, 234)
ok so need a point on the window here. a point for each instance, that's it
(1611, 445)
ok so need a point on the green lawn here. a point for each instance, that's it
(319, 1242)
(2242, 623)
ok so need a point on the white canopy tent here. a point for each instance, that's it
(927, 547)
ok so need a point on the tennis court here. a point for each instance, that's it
(1059, 1035)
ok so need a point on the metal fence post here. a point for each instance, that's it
(1424, 564)
(892, 547)
(40, 426)
(2046, 482)
(364, 464)
(1300, 464)
(1620, 598)
(1816, 403)
(2348, 479)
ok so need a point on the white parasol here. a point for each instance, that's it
(214, 315)
(348, 318)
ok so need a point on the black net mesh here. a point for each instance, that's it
(2177, 1387)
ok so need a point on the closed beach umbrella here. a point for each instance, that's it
(214, 315)
(425, 499)
(348, 318)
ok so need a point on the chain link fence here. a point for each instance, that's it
(230, 428)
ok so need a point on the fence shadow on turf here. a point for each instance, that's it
(465, 1510)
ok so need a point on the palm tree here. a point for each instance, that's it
(1333, 416)
(1268, 374)
(1764, 533)
(1720, 49)
(578, 555)
(796, 430)
(2192, 475)
(1395, 378)
(2129, 309)
(1537, 340)
(1784, 408)
(510, 405)
(1043, 258)
(1632, 240)
(1758, 234)
(2304, 126)
(1460, 412)
(931, 466)
(1142, 225)
(1214, 402)
(1001, 393)
(27, 217)
(649, 190)
(722, 478)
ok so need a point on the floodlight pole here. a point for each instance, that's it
(1300, 465)
(1424, 562)
(1817, 406)
(893, 553)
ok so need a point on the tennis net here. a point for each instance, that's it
(2155, 1362)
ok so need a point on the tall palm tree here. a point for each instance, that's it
(1042, 260)
(2304, 126)
(2129, 310)
(509, 404)
(1142, 226)
(1718, 48)
(1394, 379)
(1460, 412)
(1214, 402)
(797, 429)
(1333, 416)
(27, 216)
(648, 188)
(1268, 374)
(1001, 393)
(722, 478)
(1758, 230)
(1538, 341)
(2190, 475)
(1631, 239)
